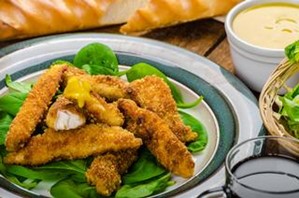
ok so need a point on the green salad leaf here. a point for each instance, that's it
(202, 139)
(292, 52)
(69, 188)
(141, 70)
(96, 69)
(32, 173)
(62, 62)
(28, 183)
(96, 54)
(145, 189)
(289, 109)
(17, 86)
(5, 121)
(146, 161)
(23, 182)
(190, 105)
(12, 102)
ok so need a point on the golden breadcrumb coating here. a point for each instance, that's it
(79, 143)
(109, 87)
(34, 107)
(103, 112)
(159, 139)
(153, 94)
(105, 171)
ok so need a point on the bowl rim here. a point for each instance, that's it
(232, 37)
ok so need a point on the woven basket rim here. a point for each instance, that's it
(270, 92)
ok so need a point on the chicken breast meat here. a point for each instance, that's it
(65, 115)
(153, 94)
(92, 139)
(158, 137)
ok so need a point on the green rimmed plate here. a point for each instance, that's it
(229, 111)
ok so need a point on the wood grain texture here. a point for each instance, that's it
(197, 36)
(221, 56)
(203, 37)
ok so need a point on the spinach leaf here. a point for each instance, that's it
(292, 52)
(28, 183)
(200, 143)
(5, 120)
(2, 166)
(25, 183)
(190, 105)
(76, 166)
(96, 54)
(32, 173)
(17, 86)
(69, 188)
(145, 168)
(62, 62)
(141, 70)
(145, 189)
(96, 69)
(12, 102)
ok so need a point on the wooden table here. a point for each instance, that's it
(203, 37)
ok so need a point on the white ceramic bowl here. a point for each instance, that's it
(253, 64)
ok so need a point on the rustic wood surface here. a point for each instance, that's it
(203, 37)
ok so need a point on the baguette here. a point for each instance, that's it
(162, 13)
(23, 18)
(28, 18)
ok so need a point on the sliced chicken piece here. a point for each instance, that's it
(64, 115)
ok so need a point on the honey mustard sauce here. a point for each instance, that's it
(273, 25)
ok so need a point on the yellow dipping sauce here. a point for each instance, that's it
(78, 90)
(273, 25)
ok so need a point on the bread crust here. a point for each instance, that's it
(163, 13)
(23, 18)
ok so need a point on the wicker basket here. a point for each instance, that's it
(273, 86)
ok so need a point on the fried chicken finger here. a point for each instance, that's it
(153, 94)
(79, 143)
(158, 138)
(34, 107)
(109, 87)
(105, 171)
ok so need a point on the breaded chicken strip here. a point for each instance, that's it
(159, 139)
(79, 143)
(109, 87)
(103, 112)
(79, 91)
(65, 115)
(34, 107)
(153, 94)
(105, 171)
